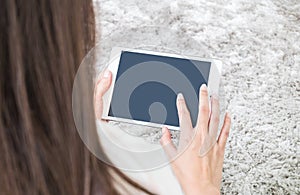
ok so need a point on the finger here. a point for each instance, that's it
(104, 83)
(224, 131)
(101, 87)
(210, 137)
(214, 119)
(203, 115)
(167, 144)
(185, 123)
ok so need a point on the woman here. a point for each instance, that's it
(41, 46)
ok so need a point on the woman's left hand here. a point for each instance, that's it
(101, 87)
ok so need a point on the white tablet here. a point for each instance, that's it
(145, 85)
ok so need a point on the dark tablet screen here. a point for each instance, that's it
(146, 87)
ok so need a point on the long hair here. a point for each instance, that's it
(41, 46)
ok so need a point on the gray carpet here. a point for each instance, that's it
(259, 43)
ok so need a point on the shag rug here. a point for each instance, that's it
(259, 43)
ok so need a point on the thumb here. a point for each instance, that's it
(101, 88)
(103, 83)
(167, 144)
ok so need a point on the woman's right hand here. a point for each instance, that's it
(198, 174)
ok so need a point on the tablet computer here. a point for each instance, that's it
(145, 85)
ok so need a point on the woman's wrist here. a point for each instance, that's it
(201, 189)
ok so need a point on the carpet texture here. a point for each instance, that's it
(259, 43)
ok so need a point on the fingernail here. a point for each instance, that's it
(180, 96)
(203, 87)
(106, 74)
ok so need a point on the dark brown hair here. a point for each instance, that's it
(41, 46)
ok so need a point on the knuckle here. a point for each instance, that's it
(180, 103)
(185, 112)
(204, 92)
(204, 109)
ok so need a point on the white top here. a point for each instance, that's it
(159, 180)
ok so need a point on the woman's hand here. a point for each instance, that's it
(198, 174)
(102, 85)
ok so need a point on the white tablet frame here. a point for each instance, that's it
(213, 81)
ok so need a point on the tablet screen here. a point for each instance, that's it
(147, 85)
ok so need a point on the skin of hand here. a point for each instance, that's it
(101, 87)
(198, 174)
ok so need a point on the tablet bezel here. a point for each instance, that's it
(113, 65)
